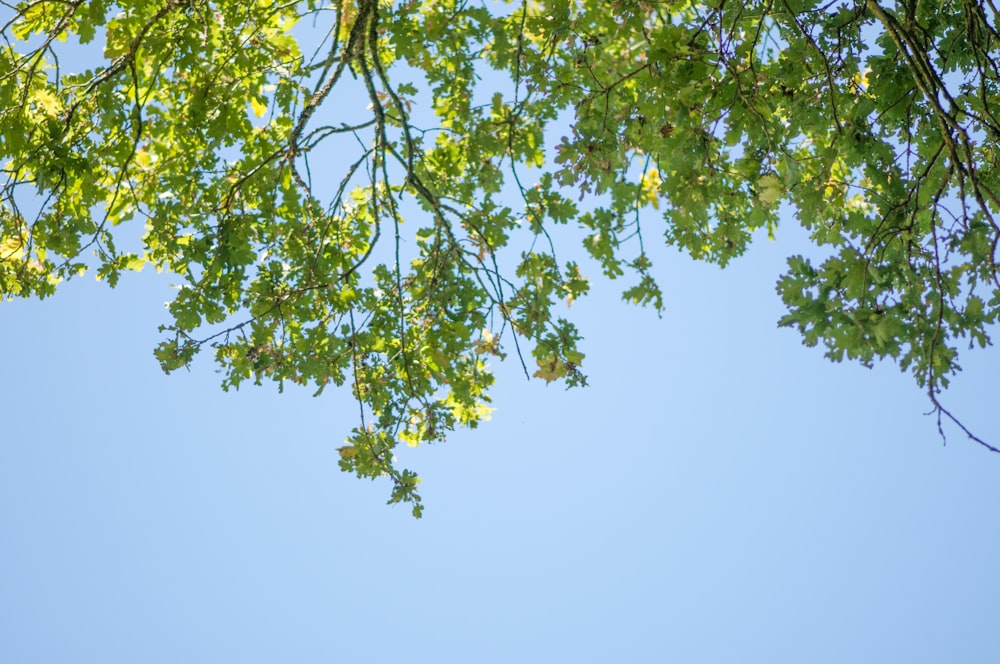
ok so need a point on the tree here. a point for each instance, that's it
(203, 120)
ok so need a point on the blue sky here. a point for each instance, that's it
(719, 493)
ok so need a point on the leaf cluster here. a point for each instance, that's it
(267, 155)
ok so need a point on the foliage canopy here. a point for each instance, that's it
(270, 151)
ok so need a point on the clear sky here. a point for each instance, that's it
(719, 494)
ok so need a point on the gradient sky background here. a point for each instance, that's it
(718, 494)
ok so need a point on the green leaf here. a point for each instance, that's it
(532, 149)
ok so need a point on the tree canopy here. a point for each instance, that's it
(266, 153)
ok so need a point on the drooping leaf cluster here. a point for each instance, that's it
(266, 154)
